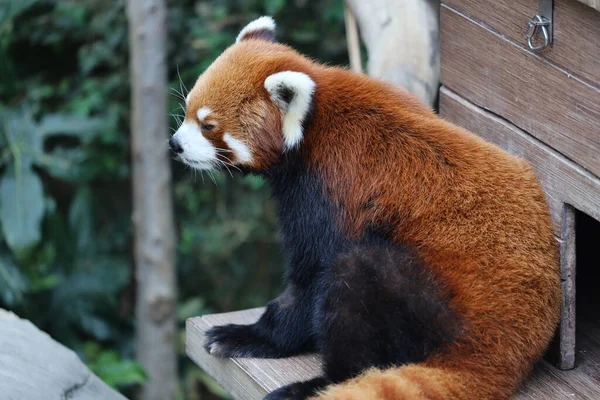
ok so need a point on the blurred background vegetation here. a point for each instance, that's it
(65, 193)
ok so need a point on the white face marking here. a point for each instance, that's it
(187, 98)
(198, 152)
(302, 87)
(259, 24)
(239, 148)
(203, 113)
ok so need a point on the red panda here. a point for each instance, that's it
(421, 262)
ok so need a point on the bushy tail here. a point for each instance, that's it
(420, 382)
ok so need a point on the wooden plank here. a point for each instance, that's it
(584, 380)
(567, 270)
(251, 379)
(563, 180)
(246, 378)
(576, 30)
(498, 75)
(541, 385)
(576, 44)
(33, 366)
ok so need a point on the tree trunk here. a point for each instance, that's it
(401, 37)
(152, 203)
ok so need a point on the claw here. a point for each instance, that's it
(215, 349)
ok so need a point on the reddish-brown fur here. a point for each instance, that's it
(476, 214)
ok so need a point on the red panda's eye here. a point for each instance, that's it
(208, 127)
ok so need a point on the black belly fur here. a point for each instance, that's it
(377, 289)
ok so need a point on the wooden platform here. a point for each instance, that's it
(251, 379)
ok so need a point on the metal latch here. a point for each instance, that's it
(541, 25)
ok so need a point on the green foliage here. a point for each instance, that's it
(21, 193)
(65, 206)
(111, 368)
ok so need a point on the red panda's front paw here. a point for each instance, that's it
(230, 341)
(238, 341)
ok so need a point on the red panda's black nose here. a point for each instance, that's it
(175, 146)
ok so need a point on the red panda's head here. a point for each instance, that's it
(249, 106)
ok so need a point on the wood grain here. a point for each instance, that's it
(564, 181)
(575, 48)
(251, 379)
(568, 264)
(584, 380)
(539, 98)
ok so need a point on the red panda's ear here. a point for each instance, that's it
(262, 28)
(292, 92)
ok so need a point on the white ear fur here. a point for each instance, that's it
(261, 27)
(292, 92)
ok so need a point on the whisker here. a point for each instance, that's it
(230, 163)
(182, 84)
(176, 93)
(234, 166)
(212, 177)
(193, 173)
(174, 90)
(223, 163)
(177, 117)
(179, 107)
